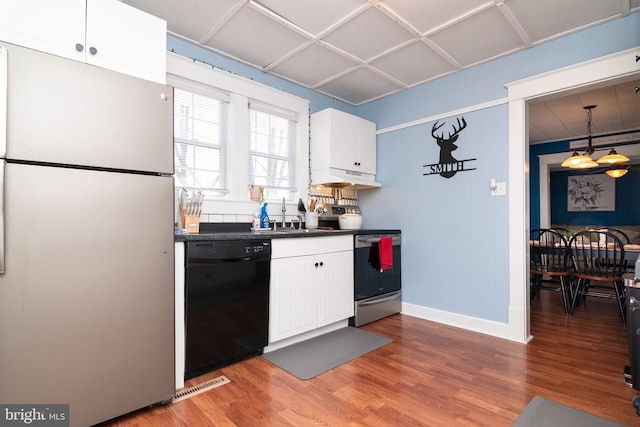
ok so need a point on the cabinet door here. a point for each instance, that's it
(49, 26)
(292, 300)
(367, 148)
(352, 141)
(125, 39)
(345, 137)
(335, 287)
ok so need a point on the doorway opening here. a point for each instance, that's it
(599, 71)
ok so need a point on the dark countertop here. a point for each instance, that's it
(243, 232)
(252, 235)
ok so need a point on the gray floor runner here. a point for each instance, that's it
(547, 413)
(312, 357)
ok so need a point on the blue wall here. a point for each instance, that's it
(627, 202)
(455, 235)
(455, 248)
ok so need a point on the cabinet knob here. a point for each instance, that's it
(356, 163)
(321, 263)
(316, 264)
(79, 47)
(93, 50)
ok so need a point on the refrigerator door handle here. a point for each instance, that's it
(4, 100)
(4, 77)
(3, 164)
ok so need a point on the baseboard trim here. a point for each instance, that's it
(483, 326)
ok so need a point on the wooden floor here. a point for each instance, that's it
(431, 375)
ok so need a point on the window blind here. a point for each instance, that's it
(272, 151)
(200, 141)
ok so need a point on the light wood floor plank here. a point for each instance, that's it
(430, 375)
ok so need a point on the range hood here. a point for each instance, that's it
(339, 178)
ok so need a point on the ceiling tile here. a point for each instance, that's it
(543, 123)
(606, 115)
(313, 65)
(311, 15)
(413, 64)
(536, 134)
(368, 35)
(626, 92)
(542, 19)
(425, 15)
(629, 104)
(571, 110)
(252, 37)
(359, 86)
(190, 18)
(481, 37)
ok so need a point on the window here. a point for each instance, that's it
(232, 132)
(200, 141)
(272, 151)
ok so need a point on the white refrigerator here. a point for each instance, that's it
(86, 236)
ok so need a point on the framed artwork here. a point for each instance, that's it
(591, 193)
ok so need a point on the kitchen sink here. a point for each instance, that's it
(297, 230)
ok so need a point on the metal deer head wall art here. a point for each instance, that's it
(448, 165)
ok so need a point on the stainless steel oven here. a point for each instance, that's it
(377, 293)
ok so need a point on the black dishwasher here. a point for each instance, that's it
(226, 302)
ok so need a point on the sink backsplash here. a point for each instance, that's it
(218, 212)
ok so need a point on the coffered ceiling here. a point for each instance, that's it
(361, 50)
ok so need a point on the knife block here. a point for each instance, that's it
(191, 223)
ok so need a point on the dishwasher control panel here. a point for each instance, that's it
(228, 250)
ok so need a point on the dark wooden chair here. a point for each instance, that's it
(563, 231)
(619, 234)
(549, 264)
(598, 260)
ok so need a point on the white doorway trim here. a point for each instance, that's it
(600, 70)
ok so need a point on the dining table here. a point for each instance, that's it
(631, 251)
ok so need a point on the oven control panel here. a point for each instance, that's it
(334, 211)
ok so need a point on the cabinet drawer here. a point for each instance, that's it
(284, 248)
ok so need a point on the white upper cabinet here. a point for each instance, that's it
(342, 141)
(105, 33)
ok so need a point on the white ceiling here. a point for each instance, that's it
(361, 50)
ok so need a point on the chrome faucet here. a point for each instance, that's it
(284, 210)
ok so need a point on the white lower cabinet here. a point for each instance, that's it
(311, 284)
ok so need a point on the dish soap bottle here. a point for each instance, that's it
(255, 223)
(264, 218)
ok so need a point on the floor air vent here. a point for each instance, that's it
(184, 394)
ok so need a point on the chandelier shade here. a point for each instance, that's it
(585, 164)
(613, 157)
(585, 161)
(575, 159)
(617, 171)
(581, 161)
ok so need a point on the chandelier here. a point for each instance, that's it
(585, 161)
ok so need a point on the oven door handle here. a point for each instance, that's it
(389, 298)
(364, 240)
